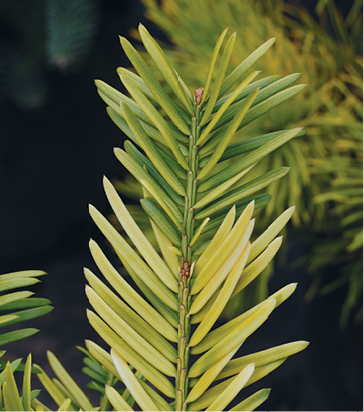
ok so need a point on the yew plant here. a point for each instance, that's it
(192, 178)
(200, 203)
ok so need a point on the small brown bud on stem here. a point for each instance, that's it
(198, 95)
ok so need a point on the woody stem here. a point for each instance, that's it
(184, 283)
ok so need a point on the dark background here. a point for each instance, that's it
(52, 159)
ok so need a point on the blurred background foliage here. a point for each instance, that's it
(47, 33)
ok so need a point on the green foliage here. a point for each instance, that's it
(19, 306)
(10, 396)
(63, 389)
(189, 188)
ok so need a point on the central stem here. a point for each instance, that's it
(184, 298)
